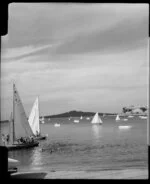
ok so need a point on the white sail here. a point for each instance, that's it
(96, 119)
(21, 125)
(34, 118)
(117, 118)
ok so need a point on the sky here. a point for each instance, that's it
(89, 57)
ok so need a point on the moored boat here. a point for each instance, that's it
(56, 125)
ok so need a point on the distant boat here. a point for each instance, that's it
(42, 120)
(81, 117)
(56, 125)
(96, 119)
(76, 121)
(117, 118)
(143, 117)
(125, 119)
(49, 119)
(19, 128)
(130, 116)
(34, 121)
(88, 118)
(124, 127)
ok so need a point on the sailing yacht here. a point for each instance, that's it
(117, 118)
(81, 117)
(19, 128)
(96, 119)
(34, 121)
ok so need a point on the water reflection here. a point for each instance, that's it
(37, 158)
(97, 131)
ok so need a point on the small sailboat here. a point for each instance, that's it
(56, 125)
(19, 129)
(81, 117)
(34, 121)
(96, 119)
(117, 118)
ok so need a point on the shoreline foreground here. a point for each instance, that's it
(107, 174)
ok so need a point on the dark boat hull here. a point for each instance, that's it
(22, 146)
(41, 137)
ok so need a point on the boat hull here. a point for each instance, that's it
(43, 137)
(28, 175)
(21, 146)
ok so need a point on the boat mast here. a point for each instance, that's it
(13, 118)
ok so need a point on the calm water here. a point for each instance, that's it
(84, 146)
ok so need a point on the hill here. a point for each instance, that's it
(75, 114)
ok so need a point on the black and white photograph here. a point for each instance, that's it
(74, 90)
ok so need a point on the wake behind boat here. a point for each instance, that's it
(34, 121)
(96, 119)
(20, 133)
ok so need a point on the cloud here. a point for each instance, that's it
(125, 35)
(21, 52)
(40, 24)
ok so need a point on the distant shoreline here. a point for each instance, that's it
(84, 114)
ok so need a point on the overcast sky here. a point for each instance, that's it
(89, 57)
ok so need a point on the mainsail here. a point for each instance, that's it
(96, 119)
(34, 118)
(21, 125)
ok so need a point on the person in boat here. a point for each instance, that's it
(21, 140)
(31, 139)
(37, 134)
(7, 138)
